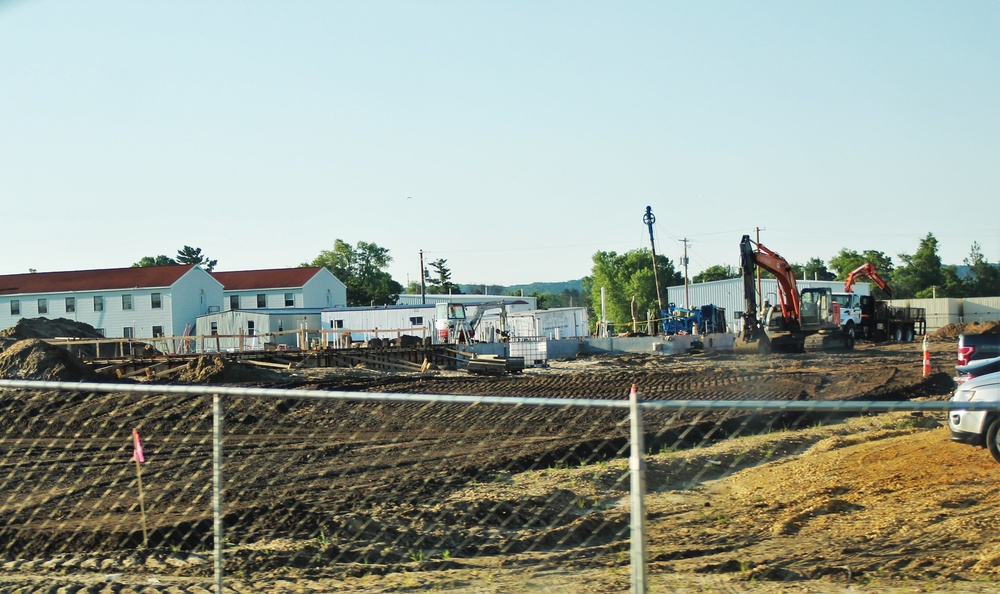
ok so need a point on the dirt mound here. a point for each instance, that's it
(951, 331)
(46, 328)
(35, 359)
(217, 370)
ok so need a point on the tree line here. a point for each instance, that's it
(918, 275)
(624, 277)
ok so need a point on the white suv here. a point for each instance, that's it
(978, 427)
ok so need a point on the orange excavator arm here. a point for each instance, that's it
(788, 294)
(867, 269)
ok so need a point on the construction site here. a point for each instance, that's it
(495, 499)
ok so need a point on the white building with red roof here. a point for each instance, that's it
(140, 302)
(306, 287)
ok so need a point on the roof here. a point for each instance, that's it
(273, 311)
(277, 278)
(92, 280)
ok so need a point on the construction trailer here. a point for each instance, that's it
(551, 324)
(364, 324)
(440, 321)
(258, 329)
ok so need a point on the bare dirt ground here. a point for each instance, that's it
(408, 497)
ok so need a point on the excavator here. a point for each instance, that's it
(866, 269)
(809, 319)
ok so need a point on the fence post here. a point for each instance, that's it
(217, 487)
(637, 474)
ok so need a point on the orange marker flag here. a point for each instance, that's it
(137, 455)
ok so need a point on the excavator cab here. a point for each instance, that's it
(820, 311)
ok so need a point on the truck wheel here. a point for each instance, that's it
(909, 335)
(992, 435)
(898, 335)
(849, 330)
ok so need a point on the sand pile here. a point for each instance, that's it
(217, 370)
(24, 356)
(38, 360)
(951, 331)
(46, 328)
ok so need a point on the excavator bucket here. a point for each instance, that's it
(760, 345)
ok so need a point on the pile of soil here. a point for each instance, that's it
(38, 360)
(24, 356)
(46, 328)
(951, 331)
(217, 370)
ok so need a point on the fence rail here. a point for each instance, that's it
(267, 486)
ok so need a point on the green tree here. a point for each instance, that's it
(847, 261)
(626, 276)
(716, 272)
(984, 278)
(814, 269)
(361, 269)
(439, 283)
(191, 255)
(921, 274)
(160, 260)
(951, 284)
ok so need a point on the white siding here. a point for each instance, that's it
(387, 322)
(567, 322)
(112, 320)
(273, 298)
(981, 309)
(237, 322)
(192, 295)
(324, 290)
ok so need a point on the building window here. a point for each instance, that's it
(155, 301)
(337, 324)
(70, 304)
(215, 328)
(100, 331)
(417, 321)
(43, 306)
(157, 331)
(289, 300)
(234, 302)
(126, 302)
(127, 332)
(98, 303)
(15, 307)
(261, 300)
(250, 328)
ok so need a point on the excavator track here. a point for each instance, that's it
(828, 342)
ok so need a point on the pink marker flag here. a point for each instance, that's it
(137, 454)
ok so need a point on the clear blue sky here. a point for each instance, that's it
(514, 139)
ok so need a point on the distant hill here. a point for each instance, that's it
(528, 289)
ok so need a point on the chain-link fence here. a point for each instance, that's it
(232, 489)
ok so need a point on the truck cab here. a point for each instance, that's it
(850, 312)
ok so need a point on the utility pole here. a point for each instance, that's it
(685, 242)
(423, 274)
(649, 219)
